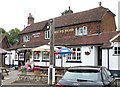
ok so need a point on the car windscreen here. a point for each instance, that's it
(91, 75)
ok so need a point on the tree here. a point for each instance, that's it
(2, 31)
(13, 36)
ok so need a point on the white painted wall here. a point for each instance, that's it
(88, 59)
(104, 58)
(7, 59)
(11, 58)
(114, 61)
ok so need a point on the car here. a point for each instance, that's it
(87, 76)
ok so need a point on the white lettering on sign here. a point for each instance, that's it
(64, 30)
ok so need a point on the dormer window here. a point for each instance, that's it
(81, 31)
(26, 38)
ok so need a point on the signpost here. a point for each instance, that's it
(51, 71)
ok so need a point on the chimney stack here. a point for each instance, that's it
(30, 19)
(66, 12)
(100, 4)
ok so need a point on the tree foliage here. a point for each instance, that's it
(13, 36)
(2, 31)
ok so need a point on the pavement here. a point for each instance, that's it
(8, 79)
(12, 79)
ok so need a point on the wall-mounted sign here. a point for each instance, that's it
(64, 31)
(36, 34)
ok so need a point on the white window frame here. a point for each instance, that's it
(76, 56)
(45, 55)
(36, 55)
(26, 38)
(47, 34)
(80, 31)
(21, 56)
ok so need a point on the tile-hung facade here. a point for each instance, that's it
(91, 34)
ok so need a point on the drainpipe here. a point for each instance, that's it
(108, 58)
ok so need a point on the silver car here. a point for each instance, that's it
(87, 76)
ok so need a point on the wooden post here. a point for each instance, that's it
(51, 60)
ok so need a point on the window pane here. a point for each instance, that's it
(118, 48)
(74, 49)
(73, 56)
(36, 55)
(78, 49)
(115, 52)
(115, 48)
(69, 56)
(81, 30)
(77, 31)
(48, 36)
(119, 52)
(76, 56)
(46, 55)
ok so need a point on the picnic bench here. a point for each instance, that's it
(4, 70)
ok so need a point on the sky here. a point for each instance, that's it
(14, 13)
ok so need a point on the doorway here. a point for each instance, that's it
(99, 61)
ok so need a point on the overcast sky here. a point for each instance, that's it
(14, 13)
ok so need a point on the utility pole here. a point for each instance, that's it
(51, 60)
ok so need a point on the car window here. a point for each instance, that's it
(83, 74)
(106, 74)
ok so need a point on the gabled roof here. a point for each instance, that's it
(116, 38)
(87, 16)
(4, 38)
(1, 37)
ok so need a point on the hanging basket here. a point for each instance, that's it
(87, 53)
